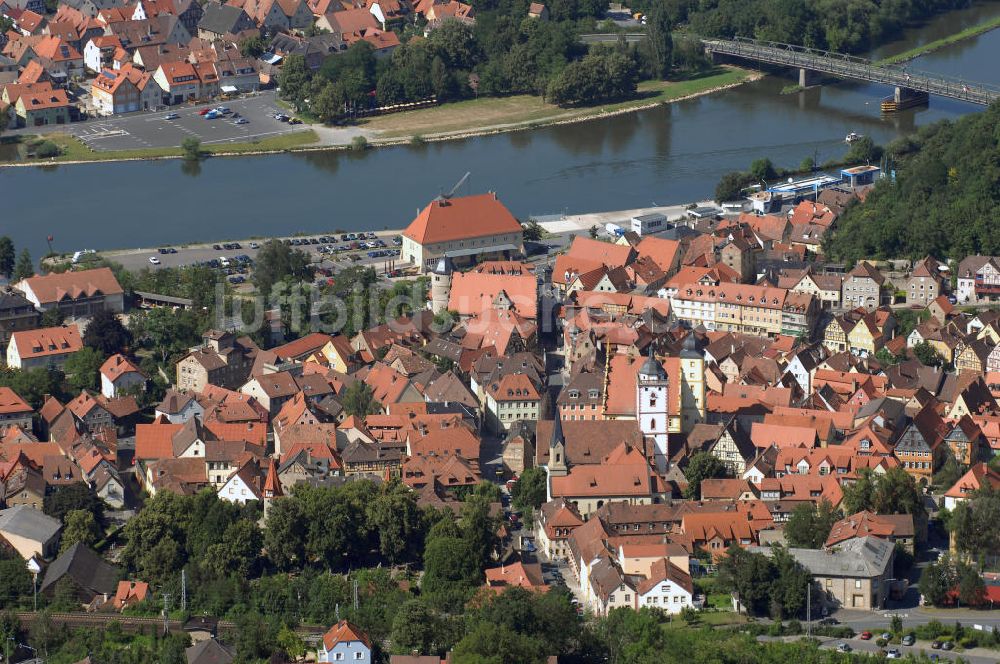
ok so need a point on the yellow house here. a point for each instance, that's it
(338, 353)
(864, 339)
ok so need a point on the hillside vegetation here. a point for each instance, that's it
(945, 201)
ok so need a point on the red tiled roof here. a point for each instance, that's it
(462, 218)
(344, 632)
(11, 403)
(54, 287)
(47, 341)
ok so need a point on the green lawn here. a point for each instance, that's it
(74, 149)
(476, 114)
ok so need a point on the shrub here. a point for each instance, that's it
(47, 149)
(359, 143)
(417, 140)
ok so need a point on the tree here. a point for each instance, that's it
(395, 519)
(276, 262)
(289, 641)
(451, 571)
(895, 492)
(166, 332)
(533, 232)
(106, 333)
(863, 150)
(15, 582)
(730, 186)
(6, 256)
(191, 148)
(530, 490)
(974, 523)
(82, 527)
(809, 526)
(415, 628)
(750, 576)
(253, 47)
(238, 552)
(53, 317)
(949, 473)
(702, 466)
(927, 354)
(971, 587)
(285, 534)
(293, 79)
(762, 169)
(74, 497)
(82, 368)
(359, 400)
(659, 43)
(24, 267)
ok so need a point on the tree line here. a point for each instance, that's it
(943, 201)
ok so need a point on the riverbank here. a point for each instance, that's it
(477, 117)
(448, 122)
(930, 47)
(74, 151)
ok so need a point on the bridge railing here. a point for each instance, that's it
(850, 66)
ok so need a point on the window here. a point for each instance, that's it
(359, 655)
(857, 583)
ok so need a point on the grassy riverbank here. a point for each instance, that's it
(448, 121)
(73, 149)
(479, 115)
(929, 47)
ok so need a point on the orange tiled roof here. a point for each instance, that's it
(11, 403)
(47, 341)
(462, 218)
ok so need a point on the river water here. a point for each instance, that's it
(670, 154)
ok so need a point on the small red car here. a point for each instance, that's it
(204, 111)
(865, 636)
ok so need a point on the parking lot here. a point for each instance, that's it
(151, 130)
(331, 251)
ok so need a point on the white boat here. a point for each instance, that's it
(850, 138)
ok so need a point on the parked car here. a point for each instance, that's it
(936, 644)
(885, 636)
(844, 647)
(294, 121)
(241, 121)
(217, 247)
(171, 116)
(893, 653)
(154, 260)
(171, 250)
(213, 114)
(254, 245)
(204, 111)
(223, 109)
(908, 640)
(829, 621)
(866, 636)
(947, 645)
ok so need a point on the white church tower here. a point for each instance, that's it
(651, 407)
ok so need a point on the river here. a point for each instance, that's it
(666, 155)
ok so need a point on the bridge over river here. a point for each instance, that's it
(909, 84)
